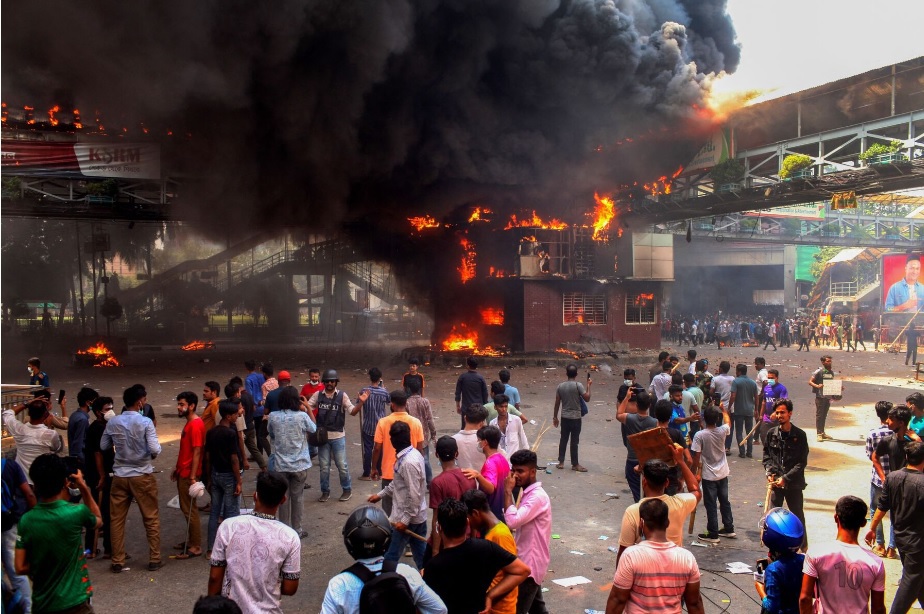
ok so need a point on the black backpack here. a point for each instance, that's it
(386, 592)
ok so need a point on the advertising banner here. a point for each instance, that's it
(809, 211)
(902, 291)
(103, 160)
(717, 149)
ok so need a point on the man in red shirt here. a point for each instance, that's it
(314, 385)
(450, 484)
(188, 468)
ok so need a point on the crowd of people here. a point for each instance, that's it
(484, 516)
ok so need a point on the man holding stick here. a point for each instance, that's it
(408, 491)
(785, 458)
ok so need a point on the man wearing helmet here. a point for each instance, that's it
(778, 585)
(367, 535)
(332, 406)
(842, 576)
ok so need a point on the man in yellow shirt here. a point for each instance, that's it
(483, 520)
(383, 451)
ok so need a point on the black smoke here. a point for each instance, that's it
(347, 114)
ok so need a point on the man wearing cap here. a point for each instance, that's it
(907, 294)
(332, 405)
(271, 402)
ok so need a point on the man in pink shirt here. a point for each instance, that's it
(532, 522)
(495, 470)
(653, 575)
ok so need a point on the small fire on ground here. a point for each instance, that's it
(99, 356)
(192, 346)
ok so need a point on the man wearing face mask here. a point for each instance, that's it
(772, 392)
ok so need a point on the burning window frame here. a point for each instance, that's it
(582, 308)
(641, 308)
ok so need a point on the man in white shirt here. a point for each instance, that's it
(654, 483)
(841, 577)
(470, 455)
(708, 449)
(256, 558)
(35, 437)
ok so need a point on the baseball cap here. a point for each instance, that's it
(284, 375)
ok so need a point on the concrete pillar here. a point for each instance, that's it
(790, 292)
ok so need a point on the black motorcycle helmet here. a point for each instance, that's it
(330, 375)
(367, 532)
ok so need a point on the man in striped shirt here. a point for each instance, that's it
(653, 576)
(875, 487)
(373, 400)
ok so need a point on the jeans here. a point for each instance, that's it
(20, 583)
(793, 497)
(399, 542)
(225, 504)
(143, 490)
(570, 428)
(874, 492)
(743, 426)
(634, 479)
(529, 598)
(428, 470)
(337, 449)
(713, 490)
(822, 405)
(368, 444)
(911, 586)
(290, 512)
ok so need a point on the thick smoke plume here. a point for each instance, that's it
(337, 114)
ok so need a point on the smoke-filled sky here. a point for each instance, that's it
(328, 112)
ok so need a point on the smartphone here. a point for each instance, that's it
(60, 396)
(588, 376)
(717, 397)
(72, 465)
(762, 565)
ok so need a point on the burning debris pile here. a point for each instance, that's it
(97, 356)
(193, 346)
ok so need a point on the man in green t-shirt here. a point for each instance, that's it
(915, 403)
(50, 544)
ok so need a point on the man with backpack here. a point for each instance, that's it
(373, 585)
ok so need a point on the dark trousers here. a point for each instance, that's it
(743, 426)
(263, 443)
(529, 598)
(822, 405)
(911, 354)
(911, 586)
(103, 503)
(715, 497)
(570, 429)
(803, 343)
(769, 341)
(250, 441)
(793, 497)
(368, 444)
(634, 479)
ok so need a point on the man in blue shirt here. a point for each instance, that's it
(136, 446)
(907, 294)
(37, 377)
(78, 423)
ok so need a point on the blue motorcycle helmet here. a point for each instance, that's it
(781, 530)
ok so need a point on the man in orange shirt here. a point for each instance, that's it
(383, 451)
(483, 520)
(210, 393)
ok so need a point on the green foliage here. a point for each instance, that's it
(821, 259)
(878, 149)
(793, 163)
(12, 188)
(729, 171)
(107, 187)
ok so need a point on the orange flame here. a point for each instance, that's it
(663, 184)
(492, 316)
(102, 355)
(535, 222)
(51, 115)
(192, 346)
(421, 222)
(478, 215)
(460, 338)
(604, 212)
(568, 352)
(643, 299)
(466, 266)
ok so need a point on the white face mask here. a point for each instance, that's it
(771, 382)
(627, 382)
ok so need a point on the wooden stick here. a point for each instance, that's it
(748, 436)
(699, 472)
(415, 535)
(902, 331)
